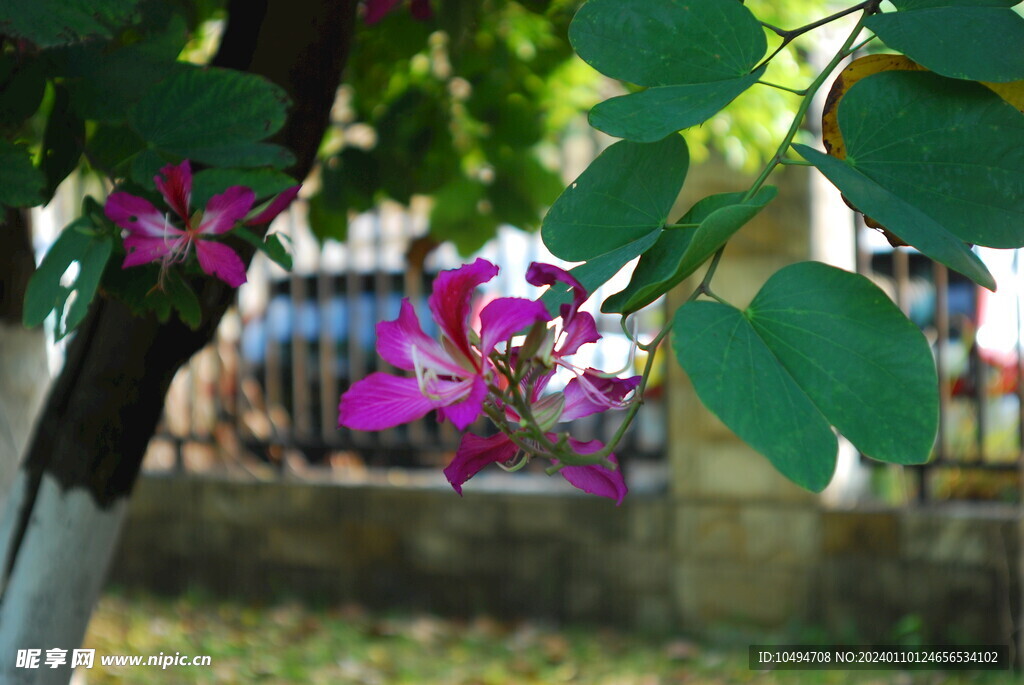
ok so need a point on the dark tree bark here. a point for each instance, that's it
(107, 401)
(17, 264)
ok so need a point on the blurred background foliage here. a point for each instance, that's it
(472, 107)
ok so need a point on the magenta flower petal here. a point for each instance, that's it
(540, 274)
(378, 9)
(276, 206)
(506, 316)
(589, 394)
(464, 409)
(578, 331)
(220, 261)
(595, 479)
(396, 340)
(449, 302)
(135, 214)
(143, 250)
(382, 401)
(474, 454)
(176, 186)
(224, 210)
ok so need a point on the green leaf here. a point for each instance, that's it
(22, 84)
(670, 42)
(145, 165)
(113, 148)
(106, 80)
(63, 141)
(181, 297)
(977, 40)
(680, 252)
(900, 217)
(624, 196)
(275, 249)
(952, 149)
(595, 272)
(270, 246)
(654, 113)
(264, 182)
(697, 55)
(78, 242)
(49, 23)
(818, 346)
(213, 116)
(738, 378)
(21, 183)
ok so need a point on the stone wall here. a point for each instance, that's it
(655, 563)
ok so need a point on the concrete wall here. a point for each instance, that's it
(654, 563)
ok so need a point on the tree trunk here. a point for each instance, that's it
(24, 374)
(65, 511)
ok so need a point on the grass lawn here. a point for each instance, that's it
(289, 643)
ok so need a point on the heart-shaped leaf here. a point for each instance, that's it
(953, 150)
(900, 217)
(654, 113)
(49, 23)
(818, 346)
(697, 57)
(622, 198)
(263, 182)
(212, 116)
(964, 39)
(669, 42)
(680, 252)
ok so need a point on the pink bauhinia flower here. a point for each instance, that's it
(153, 238)
(467, 371)
(450, 376)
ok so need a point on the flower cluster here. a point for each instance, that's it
(153, 238)
(468, 373)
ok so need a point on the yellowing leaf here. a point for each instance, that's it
(857, 69)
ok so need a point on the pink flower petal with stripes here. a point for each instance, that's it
(143, 249)
(397, 339)
(450, 303)
(226, 209)
(595, 479)
(221, 261)
(506, 316)
(382, 401)
(136, 215)
(176, 187)
(474, 454)
(276, 206)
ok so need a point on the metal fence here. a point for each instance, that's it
(264, 395)
(976, 338)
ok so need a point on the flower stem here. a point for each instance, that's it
(868, 8)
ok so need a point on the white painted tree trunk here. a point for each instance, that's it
(57, 576)
(24, 379)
